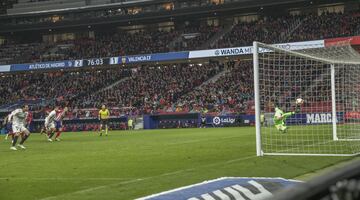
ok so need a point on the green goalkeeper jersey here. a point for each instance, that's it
(278, 113)
(280, 116)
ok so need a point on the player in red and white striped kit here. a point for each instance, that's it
(58, 122)
(28, 120)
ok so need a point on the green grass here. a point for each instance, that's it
(127, 165)
(311, 139)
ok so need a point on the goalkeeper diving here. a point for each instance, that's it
(281, 116)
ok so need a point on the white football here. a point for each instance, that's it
(299, 101)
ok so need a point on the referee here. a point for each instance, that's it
(104, 118)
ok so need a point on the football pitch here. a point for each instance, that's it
(132, 164)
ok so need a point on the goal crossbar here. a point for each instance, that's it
(336, 59)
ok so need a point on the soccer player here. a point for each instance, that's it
(280, 118)
(130, 124)
(50, 123)
(29, 118)
(203, 121)
(7, 123)
(18, 118)
(43, 128)
(59, 127)
(104, 115)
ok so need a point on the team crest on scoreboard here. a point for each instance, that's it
(123, 60)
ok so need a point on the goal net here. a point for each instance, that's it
(327, 79)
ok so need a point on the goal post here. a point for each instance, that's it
(327, 79)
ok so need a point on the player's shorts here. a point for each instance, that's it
(280, 127)
(203, 122)
(49, 126)
(8, 127)
(104, 122)
(58, 125)
(18, 128)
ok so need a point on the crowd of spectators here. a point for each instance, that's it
(123, 43)
(267, 29)
(142, 89)
(61, 86)
(12, 52)
(108, 44)
(6, 4)
(327, 25)
(278, 29)
(192, 37)
(153, 87)
(229, 93)
(99, 13)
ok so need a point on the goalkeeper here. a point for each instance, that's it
(280, 118)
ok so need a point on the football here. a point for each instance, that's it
(299, 101)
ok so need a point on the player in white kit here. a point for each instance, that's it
(50, 123)
(18, 119)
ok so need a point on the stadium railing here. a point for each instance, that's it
(343, 183)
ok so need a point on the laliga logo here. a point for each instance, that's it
(216, 120)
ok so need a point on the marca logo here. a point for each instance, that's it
(318, 118)
(226, 189)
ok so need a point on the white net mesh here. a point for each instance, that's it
(286, 75)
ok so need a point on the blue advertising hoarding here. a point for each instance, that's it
(315, 118)
(250, 188)
(157, 57)
(153, 57)
(46, 65)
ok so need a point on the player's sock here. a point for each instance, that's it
(24, 139)
(106, 130)
(58, 134)
(6, 136)
(14, 141)
(51, 135)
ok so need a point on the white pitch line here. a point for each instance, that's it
(142, 179)
(204, 140)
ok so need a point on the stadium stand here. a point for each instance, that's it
(73, 84)
(228, 94)
(190, 88)
(267, 29)
(6, 4)
(153, 87)
(24, 6)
